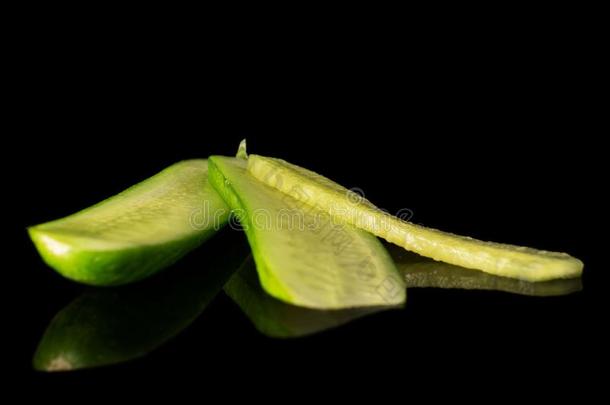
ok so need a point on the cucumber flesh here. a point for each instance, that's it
(110, 326)
(422, 272)
(276, 319)
(302, 257)
(494, 258)
(137, 232)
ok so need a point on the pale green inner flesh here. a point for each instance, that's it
(499, 259)
(302, 257)
(175, 204)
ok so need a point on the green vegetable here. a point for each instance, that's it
(302, 257)
(277, 319)
(137, 232)
(419, 271)
(109, 326)
(499, 259)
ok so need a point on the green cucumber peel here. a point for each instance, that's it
(136, 233)
(302, 257)
(499, 259)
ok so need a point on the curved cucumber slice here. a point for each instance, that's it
(277, 319)
(494, 258)
(301, 256)
(137, 232)
(422, 272)
(110, 326)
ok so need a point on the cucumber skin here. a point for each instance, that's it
(226, 191)
(122, 266)
(494, 258)
(112, 268)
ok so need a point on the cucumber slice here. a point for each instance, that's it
(276, 319)
(302, 257)
(110, 326)
(422, 272)
(137, 232)
(494, 258)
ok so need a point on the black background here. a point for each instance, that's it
(484, 131)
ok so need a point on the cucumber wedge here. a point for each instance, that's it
(494, 258)
(422, 272)
(137, 232)
(110, 326)
(276, 319)
(303, 258)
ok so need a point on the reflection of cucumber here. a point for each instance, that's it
(276, 319)
(302, 257)
(499, 259)
(111, 326)
(419, 271)
(137, 232)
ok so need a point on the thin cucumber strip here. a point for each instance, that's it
(276, 319)
(302, 257)
(422, 272)
(137, 232)
(111, 326)
(494, 258)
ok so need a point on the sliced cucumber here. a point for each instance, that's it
(422, 272)
(110, 326)
(277, 319)
(494, 258)
(137, 232)
(302, 257)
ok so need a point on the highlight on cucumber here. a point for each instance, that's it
(314, 242)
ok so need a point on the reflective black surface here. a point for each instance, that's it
(110, 326)
(471, 144)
